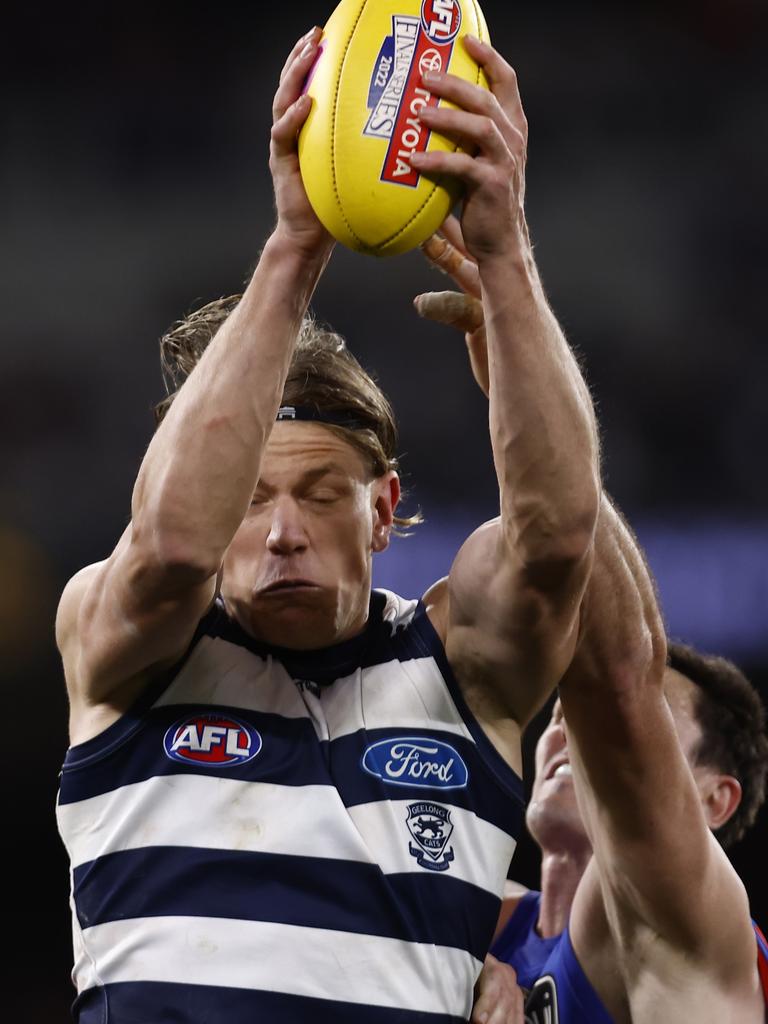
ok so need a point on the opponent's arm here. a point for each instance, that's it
(139, 608)
(511, 610)
(498, 997)
(662, 876)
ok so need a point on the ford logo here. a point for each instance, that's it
(416, 761)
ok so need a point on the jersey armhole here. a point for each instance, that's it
(115, 735)
(505, 776)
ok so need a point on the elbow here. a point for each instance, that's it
(556, 540)
(630, 676)
(165, 559)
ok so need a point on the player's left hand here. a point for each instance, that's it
(491, 122)
(498, 998)
(462, 310)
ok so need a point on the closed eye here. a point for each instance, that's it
(323, 497)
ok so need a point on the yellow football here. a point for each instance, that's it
(367, 92)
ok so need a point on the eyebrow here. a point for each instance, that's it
(311, 476)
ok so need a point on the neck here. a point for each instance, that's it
(561, 872)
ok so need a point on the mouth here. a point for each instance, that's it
(559, 769)
(288, 586)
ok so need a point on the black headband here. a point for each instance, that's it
(311, 414)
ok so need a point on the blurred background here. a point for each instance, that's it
(135, 187)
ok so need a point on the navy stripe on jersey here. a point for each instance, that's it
(313, 892)
(290, 755)
(371, 647)
(287, 759)
(484, 799)
(133, 1002)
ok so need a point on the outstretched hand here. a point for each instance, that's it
(295, 217)
(492, 123)
(463, 310)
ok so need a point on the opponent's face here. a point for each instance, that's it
(298, 572)
(552, 816)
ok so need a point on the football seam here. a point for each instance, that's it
(333, 127)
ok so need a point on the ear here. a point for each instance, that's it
(721, 796)
(386, 495)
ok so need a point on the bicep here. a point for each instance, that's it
(120, 619)
(511, 627)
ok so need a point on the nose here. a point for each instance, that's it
(287, 535)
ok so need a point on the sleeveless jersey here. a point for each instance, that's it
(558, 990)
(283, 836)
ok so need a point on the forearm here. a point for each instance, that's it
(635, 789)
(200, 470)
(542, 422)
(612, 693)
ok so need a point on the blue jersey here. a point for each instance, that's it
(558, 989)
(283, 836)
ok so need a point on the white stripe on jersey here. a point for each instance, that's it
(482, 851)
(261, 817)
(408, 695)
(214, 813)
(370, 696)
(220, 672)
(315, 962)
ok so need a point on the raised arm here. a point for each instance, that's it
(509, 613)
(121, 620)
(672, 900)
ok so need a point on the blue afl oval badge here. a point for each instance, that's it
(211, 739)
(416, 761)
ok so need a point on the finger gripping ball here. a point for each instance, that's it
(367, 93)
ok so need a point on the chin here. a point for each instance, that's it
(300, 626)
(555, 826)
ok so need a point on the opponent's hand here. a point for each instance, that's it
(498, 998)
(492, 123)
(296, 219)
(463, 310)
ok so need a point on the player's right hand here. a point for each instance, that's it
(296, 220)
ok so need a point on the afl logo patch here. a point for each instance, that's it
(441, 19)
(218, 740)
(416, 761)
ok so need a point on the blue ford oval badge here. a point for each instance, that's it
(416, 761)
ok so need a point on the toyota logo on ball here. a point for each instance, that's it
(430, 60)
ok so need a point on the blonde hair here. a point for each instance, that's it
(323, 375)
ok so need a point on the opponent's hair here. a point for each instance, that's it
(732, 720)
(323, 374)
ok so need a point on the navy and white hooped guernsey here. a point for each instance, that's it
(283, 836)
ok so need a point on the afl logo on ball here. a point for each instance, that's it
(441, 19)
(217, 740)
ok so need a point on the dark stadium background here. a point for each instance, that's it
(135, 186)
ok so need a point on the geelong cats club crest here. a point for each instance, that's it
(431, 827)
